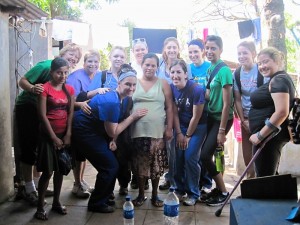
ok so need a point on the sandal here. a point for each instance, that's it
(139, 201)
(157, 202)
(60, 209)
(41, 215)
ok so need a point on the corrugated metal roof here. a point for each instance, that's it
(27, 10)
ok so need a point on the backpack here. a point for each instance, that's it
(82, 96)
(103, 78)
(237, 78)
(213, 73)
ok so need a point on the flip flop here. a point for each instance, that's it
(60, 209)
(157, 202)
(139, 201)
(41, 215)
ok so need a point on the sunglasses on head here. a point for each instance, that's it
(138, 40)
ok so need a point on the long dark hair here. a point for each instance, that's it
(57, 63)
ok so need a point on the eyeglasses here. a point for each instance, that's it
(126, 70)
(135, 41)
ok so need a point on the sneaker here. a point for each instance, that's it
(32, 197)
(205, 196)
(123, 191)
(86, 186)
(205, 190)
(181, 197)
(79, 192)
(189, 201)
(165, 186)
(217, 200)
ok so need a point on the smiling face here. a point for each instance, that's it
(60, 75)
(245, 56)
(117, 58)
(171, 50)
(139, 50)
(91, 65)
(212, 51)
(267, 66)
(72, 56)
(127, 86)
(149, 67)
(178, 76)
(196, 54)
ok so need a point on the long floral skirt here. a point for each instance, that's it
(149, 157)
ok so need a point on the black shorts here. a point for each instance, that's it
(76, 153)
(27, 124)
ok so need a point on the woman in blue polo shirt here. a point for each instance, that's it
(93, 132)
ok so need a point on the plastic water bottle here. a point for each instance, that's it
(171, 208)
(219, 156)
(128, 212)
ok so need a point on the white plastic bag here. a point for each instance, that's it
(290, 159)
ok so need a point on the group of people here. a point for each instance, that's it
(133, 121)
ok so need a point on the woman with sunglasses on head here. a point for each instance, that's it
(150, 132)
(271, 105)
(139, 49)
(27, 124)
(94, 131)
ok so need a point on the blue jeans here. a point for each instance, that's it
(188, 170)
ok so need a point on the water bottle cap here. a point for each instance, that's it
(172, 189)
(128, 198)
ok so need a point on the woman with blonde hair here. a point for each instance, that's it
(247, 80)
(80, 81)
(170, 53)
(139, 49)
(108, 80)
(271, 105)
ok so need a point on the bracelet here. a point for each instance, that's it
(221, 128)
(270, 125)
(188, 136)
(259, 136)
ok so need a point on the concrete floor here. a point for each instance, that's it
(20, 212)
